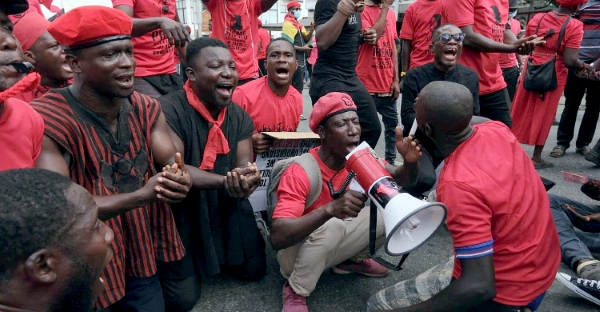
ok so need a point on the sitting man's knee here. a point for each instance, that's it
(330, 233)
(181, 295)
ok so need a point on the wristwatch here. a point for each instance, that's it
(402, 74)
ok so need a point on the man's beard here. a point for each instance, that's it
(77, 295)
(218, 104)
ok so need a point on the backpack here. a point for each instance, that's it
(315, 180)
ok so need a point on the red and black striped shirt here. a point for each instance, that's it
(107, 164)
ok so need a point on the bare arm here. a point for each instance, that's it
(51, 158)
(379, 25)
(571, 58)
(329, 32)
(173, 29)
(200, 178)
(406, 48)
(286, 232)
(265, 5)
(482, 43)
(475, 286)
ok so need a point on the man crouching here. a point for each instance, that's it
(323, 235)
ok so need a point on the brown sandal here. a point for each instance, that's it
(583, 150)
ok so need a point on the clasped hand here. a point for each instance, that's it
(242, 181)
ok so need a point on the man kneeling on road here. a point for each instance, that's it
(311, 239)
(505, 242)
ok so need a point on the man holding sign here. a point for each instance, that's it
(332, 232)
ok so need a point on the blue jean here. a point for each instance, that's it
(387, 108)
(578, 239)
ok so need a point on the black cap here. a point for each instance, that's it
(10, 7)
(513, 4)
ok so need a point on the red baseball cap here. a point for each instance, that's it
(89, 26)
(29, 29)
(329, 105)
(294, 4)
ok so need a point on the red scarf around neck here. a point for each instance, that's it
(27, 84)
(217, 142)
(289, 17)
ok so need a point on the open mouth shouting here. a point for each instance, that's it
(64, 66)
(450, 53)
(224, 89)
(282, 72)
(125, 81)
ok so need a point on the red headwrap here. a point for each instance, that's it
(91, 25)
(29, 29)
(570, 3)
(328, 105)
(293, 4)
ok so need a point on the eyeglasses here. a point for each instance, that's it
(445, 38)
(337, 194)
(165, 7)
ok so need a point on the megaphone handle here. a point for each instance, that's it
(373, 237)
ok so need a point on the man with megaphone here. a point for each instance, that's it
(504, 238)
(334, 230)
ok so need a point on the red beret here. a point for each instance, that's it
(87, 26)
(29, 29)
(570, 3)
(10, 7)
(294, 4)
(328, 105)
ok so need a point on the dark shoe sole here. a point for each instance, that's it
(564, 279)
(593, 157)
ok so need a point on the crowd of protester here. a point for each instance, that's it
(129, 150)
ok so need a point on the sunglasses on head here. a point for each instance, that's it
(445, 38)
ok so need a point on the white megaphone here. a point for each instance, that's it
(409, 222)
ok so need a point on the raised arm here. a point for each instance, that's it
(174, 30)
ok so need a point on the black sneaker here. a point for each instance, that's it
(588, 289)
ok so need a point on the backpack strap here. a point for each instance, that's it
(315, 178)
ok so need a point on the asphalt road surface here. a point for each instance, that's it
(350, 292)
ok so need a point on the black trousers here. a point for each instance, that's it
(367, 114)
(298, 79)
(141, 294)
(511, 76)
(387, 108)
(496, 106)
(574, 91)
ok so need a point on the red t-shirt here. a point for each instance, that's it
(488, 18)
(269, 112)
(508, 60)
(21, 134)
(265, 39)
(375, 66)
(235, 23)
(421, 19)
(153, 53)
(294, 187)
(497, 204)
